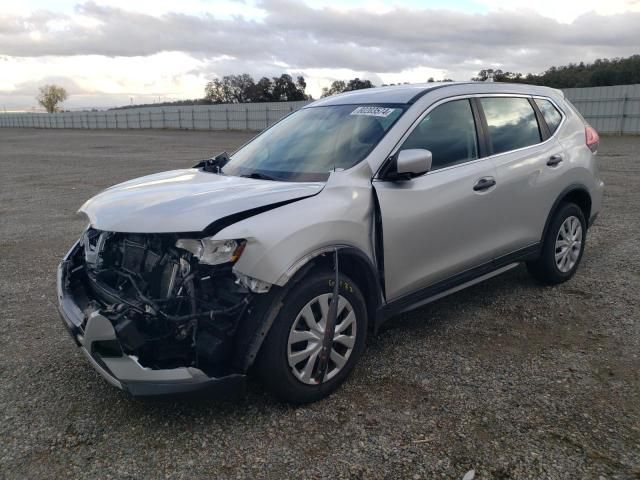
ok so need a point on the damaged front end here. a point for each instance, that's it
(156, 313)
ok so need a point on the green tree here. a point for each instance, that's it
(357, 84)
(264, 90)
(339, 86)
(217, 91)
(285, 90)
(301, 84)
(50, 96)
(243, 89)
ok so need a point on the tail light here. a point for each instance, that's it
(591, 138)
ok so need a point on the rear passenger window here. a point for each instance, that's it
(448, 132)
(512, 123)
(550, 113)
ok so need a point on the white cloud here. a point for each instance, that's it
(97, 81)
(565, 11)
(219, 8)
(117, 49)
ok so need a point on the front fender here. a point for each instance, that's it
(282, 240)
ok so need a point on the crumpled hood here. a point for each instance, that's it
(185, 201)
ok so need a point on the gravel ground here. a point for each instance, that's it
(508, 378)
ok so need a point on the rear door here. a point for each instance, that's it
(528, 161)
(443, 222)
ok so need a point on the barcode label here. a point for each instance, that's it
(373, 111)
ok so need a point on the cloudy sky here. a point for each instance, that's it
(108, 53)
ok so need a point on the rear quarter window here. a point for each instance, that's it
(512, 123)
(550, 113)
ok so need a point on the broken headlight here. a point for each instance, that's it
(213, 252)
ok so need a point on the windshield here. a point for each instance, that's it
(310, 143)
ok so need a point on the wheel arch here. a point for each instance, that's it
(575, 193)
(352, 261)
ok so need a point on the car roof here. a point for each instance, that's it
(410, 93)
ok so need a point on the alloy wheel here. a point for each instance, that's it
(307, 332)
(568, 244)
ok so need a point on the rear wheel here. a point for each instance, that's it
(288, 360)
(562, 247)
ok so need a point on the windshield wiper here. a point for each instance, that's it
(261, 176)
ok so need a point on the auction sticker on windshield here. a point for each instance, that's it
(373, 111)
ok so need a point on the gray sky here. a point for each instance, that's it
(107, 52)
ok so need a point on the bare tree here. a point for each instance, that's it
(50, 96)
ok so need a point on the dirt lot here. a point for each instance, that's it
(508, 378)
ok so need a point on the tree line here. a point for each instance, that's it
(340, 86)
(601, 73)
(244, 89)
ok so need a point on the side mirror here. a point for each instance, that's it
(415, 161)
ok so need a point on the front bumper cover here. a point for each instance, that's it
(124, 372)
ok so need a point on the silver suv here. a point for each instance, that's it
(280, 258)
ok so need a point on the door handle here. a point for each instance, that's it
(484, 183)
(554, 160)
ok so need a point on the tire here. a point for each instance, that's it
(547, 269)
(292, 383)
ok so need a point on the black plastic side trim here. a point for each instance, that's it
(414, 299)
(375, 282)
(378, 242)
(255, 326)
(481, 128)
(543, 128)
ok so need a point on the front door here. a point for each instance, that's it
(443, 222)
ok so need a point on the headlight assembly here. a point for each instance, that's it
(213, 252)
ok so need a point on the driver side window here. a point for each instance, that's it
(448, 132)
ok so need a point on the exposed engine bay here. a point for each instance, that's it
(167, 308)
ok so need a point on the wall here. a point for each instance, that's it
(613, 109)
(246, 116)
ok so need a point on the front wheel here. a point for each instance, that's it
(288, 359)
(562, 247)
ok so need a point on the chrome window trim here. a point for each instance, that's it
(442, 101)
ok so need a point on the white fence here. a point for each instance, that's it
(614, 110)
(245, 116)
